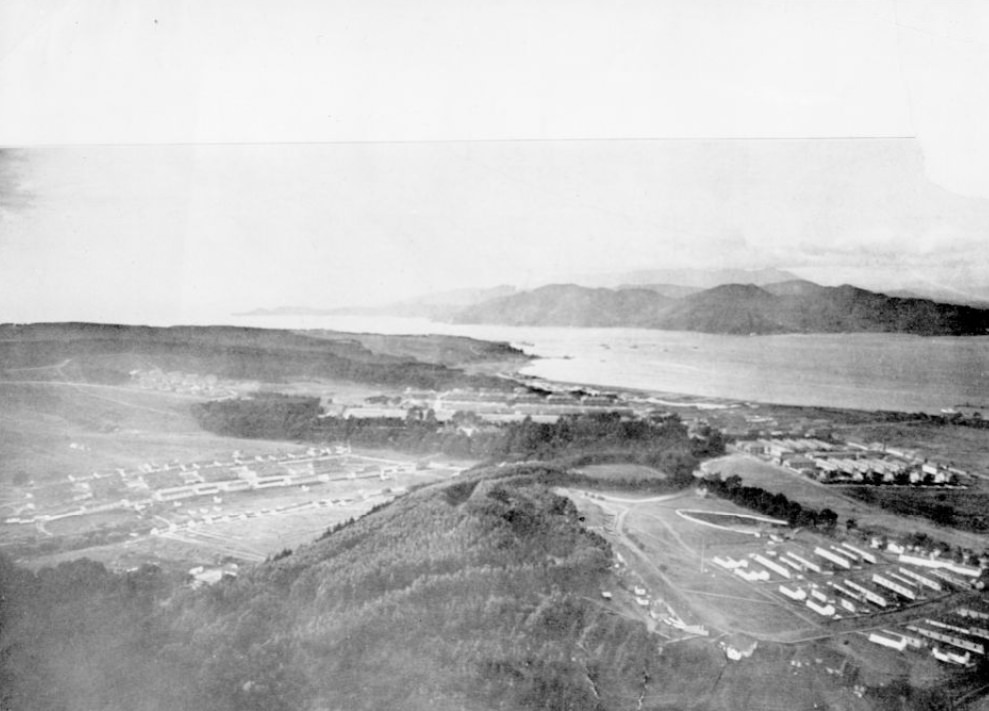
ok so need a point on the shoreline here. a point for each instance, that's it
(712, 404)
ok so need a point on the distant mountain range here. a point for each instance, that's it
(651, 299)
(439, 306)
(794, 306)
(695, 278)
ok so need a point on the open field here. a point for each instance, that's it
(51, 430)
(672, 554)
(755, 472)
(741, 523)
(628, 472)
(75, 525)
(337, 392)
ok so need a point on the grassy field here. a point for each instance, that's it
(690, 534)
(74, 525)
(628, 472)
(680, 552)
(808, 493)
(48, 431)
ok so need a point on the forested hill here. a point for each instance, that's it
(107, 353)
(787, 307)
(481, 594)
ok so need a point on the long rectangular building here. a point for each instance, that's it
(847, 551)
(974, 613)
(846, 591)
(898, 588)
(752, 574)
(809, 565)
(926, 581)
(969, 571)
(952, 639)
(773, 566)
(948, 577)
(793, 593)
(901, 579)
(838, 560)
(726, 562)
(870, 595)
(826, 610)
(847, 605)
(945, 626)
(792, 563)
(977, 631)
(888, 639)
(950, 657)
(846, 554)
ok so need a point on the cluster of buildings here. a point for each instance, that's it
(206, 516)
(960, 637)
(188, 383)
(200, 575)
(843, 579)
(523, 402)
(791, 564)
(487, 404)
(933, 565)
(753, 426)
(151, 483)
(315, 466)
(852, 462)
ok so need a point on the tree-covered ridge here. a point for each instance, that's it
(577, 439)
(265, 415)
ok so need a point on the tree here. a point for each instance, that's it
(943, 515)
(827, 518)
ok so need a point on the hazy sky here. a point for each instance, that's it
(476, 143)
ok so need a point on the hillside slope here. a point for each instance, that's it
(107, 353)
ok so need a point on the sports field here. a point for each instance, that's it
(675, 555)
